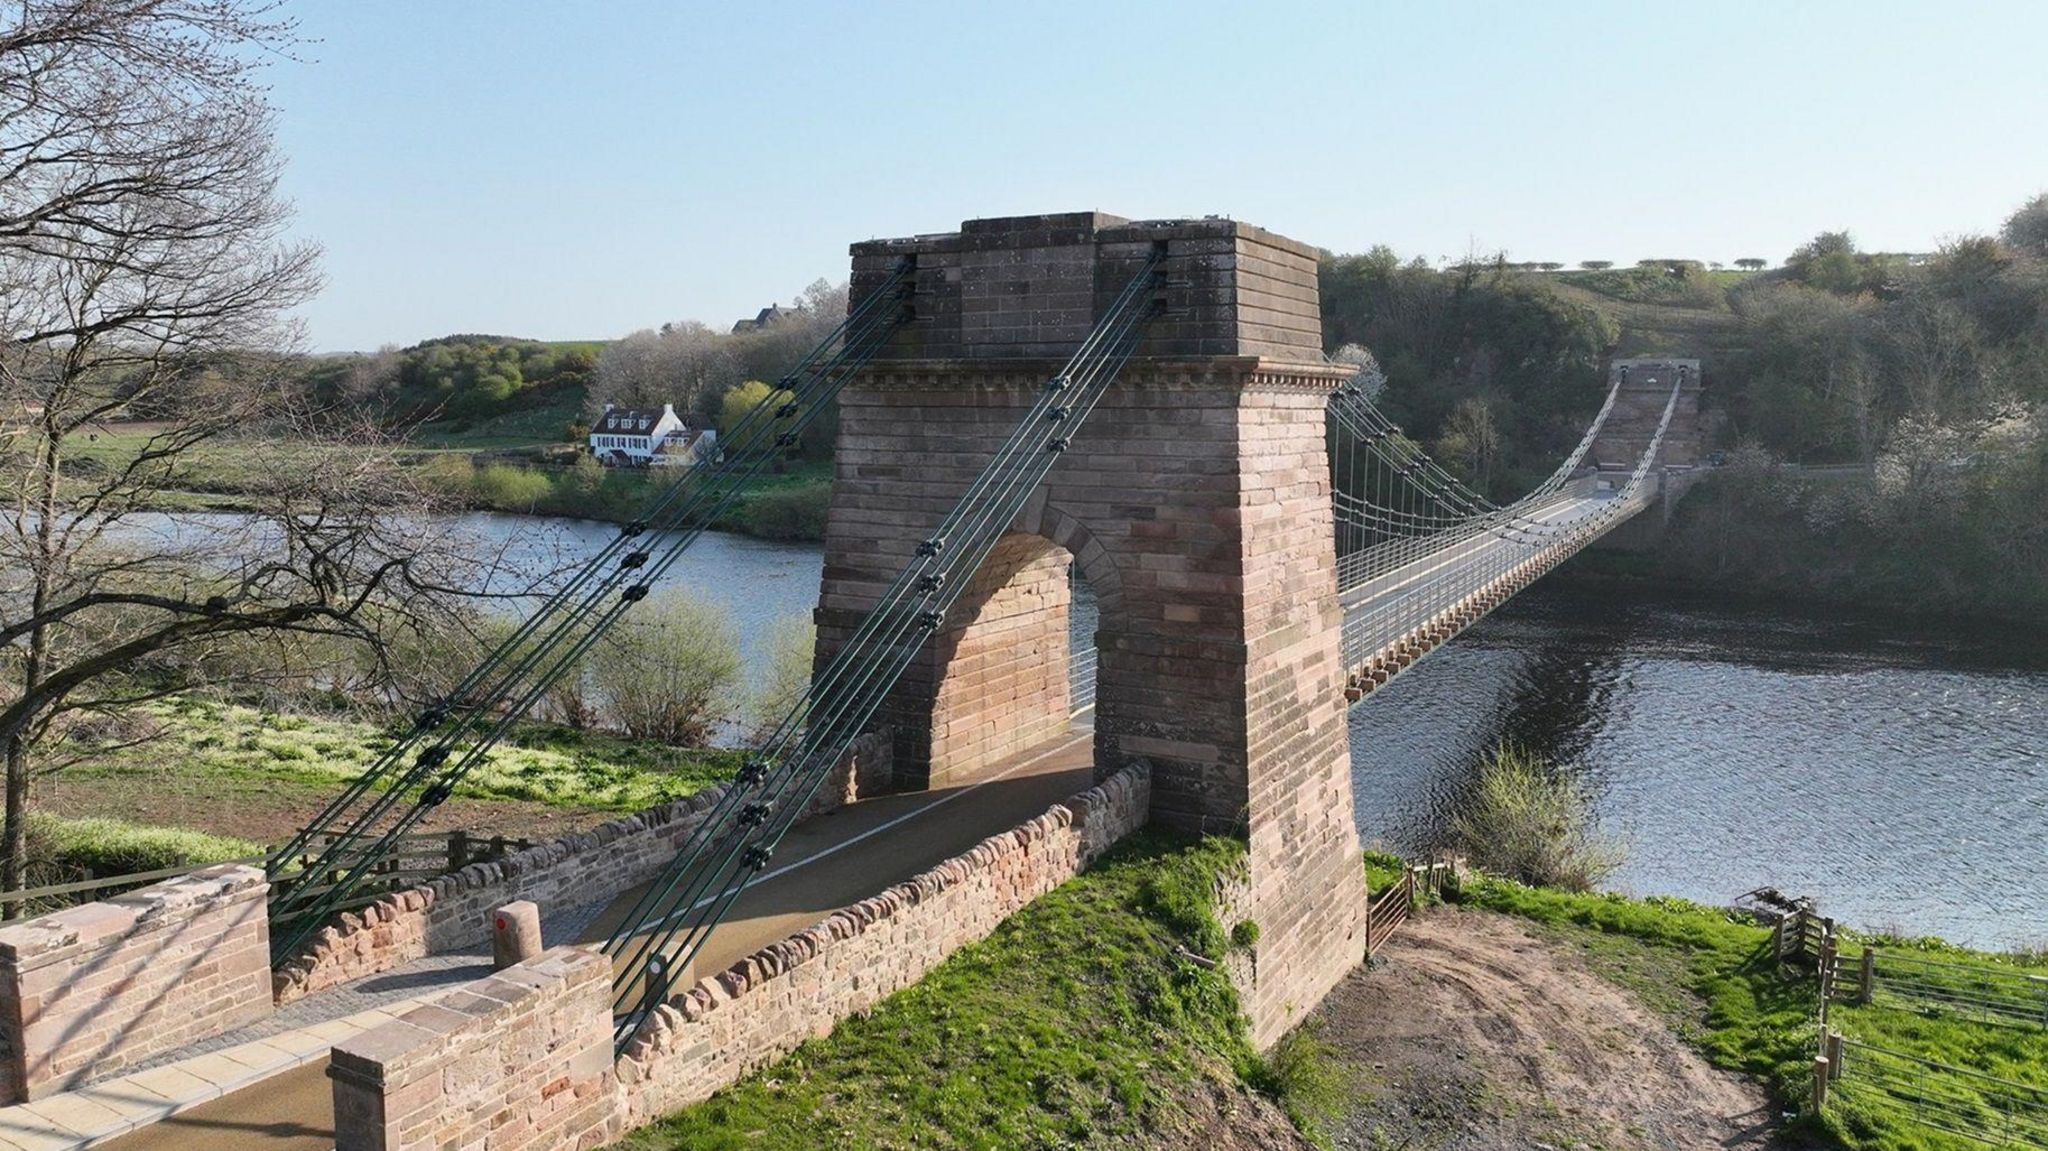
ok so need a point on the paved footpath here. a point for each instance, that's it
(264, 1087)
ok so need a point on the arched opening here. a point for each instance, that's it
(1014, 667)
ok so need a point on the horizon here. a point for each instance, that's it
(657, 164)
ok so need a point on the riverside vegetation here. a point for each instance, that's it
(200, 775)
(1083, 1021)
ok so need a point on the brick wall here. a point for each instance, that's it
(578, 869)
(764, 1006)
(519, 1059)
(91, 990)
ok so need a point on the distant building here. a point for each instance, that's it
(637, 437)
(686, 449)
(768, 317)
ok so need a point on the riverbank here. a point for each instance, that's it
(535, 479)
(1514, 1018)
(1973, 551)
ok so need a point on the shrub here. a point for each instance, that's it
(796, 513)
(1245, 934)
(669, 673)
(511, 488)
(1528, 820)
(791, 643)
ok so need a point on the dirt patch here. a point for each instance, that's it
(1471, 1034)
(1216, 1117)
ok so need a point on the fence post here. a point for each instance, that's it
(1867, 978)
(458, 850)
(1834, 1054)
(1820, 1083)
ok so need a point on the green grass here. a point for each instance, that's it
(203, 739)
(1074, 1024)
(1382, 870)
(89, 848)
(532, 427)
(1704, 289)
(1713, 979)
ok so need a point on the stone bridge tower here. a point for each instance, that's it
(1195, 502)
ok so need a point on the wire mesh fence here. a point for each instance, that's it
(1998, 994)
(1990, 1110)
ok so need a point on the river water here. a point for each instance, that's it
(1898, 772)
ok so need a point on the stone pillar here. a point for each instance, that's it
(1195, 501)
(92, 990)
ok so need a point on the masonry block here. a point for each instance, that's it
(92, 990)
(523, 1060)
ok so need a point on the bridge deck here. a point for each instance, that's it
(825, 864)
(1379, 611)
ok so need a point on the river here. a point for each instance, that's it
(1895, 771)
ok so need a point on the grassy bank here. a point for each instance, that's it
(502, 465)
(1714, 980)
(228, 769)
(1074, 1024)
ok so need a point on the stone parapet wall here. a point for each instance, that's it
(581, 868)
(523, 1058)
(519, 1059)
(762, 1007)
(92, 990)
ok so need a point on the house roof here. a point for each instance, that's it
(765, 317)
(679, 443)
(628, 421)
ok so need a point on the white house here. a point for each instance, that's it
(631, 437)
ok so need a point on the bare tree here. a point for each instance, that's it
(145, 283)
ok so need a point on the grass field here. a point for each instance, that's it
(1714, 979)
(1074, 1024)
(460, 463)
(226, 769)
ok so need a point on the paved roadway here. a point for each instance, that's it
(834, 860)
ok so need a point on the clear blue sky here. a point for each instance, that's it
(582, 170)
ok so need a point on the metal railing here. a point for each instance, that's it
(1955, 1100)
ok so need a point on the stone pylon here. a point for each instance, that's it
(1195, 502)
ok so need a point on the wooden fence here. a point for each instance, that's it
(2001, 995)
(417, 859)
(1387, 911)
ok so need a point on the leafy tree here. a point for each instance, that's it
(2026, 230)
(1752, 263)
(734, 408)
(1829, 262)
(1596, 265)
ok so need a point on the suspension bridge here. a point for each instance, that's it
(1027, 404)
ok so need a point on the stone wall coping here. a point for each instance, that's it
(417, 1043)
(62, 935)
(539, 857)
(1083, 227)
(1211, 371)
(788, 954)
